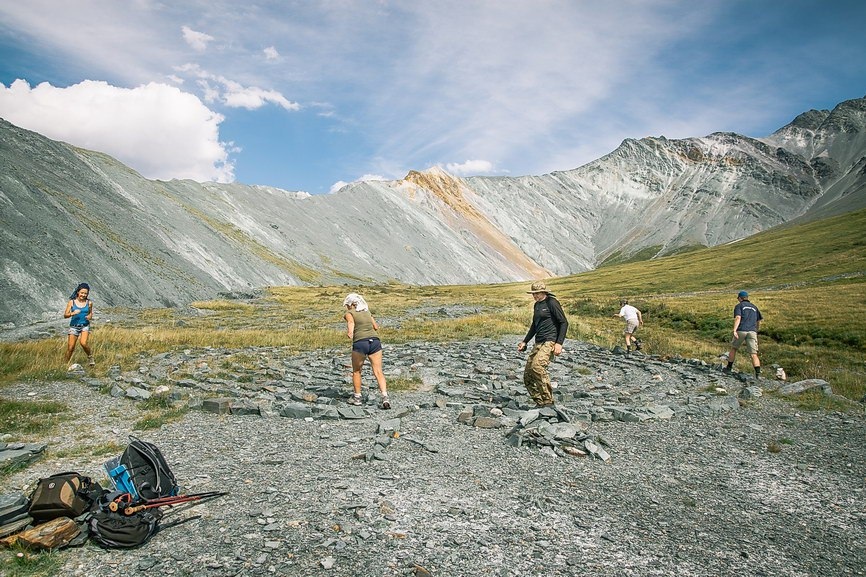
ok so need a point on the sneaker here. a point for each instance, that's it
(386, 404)
(91, 362)
(638, 345)
(355, 400)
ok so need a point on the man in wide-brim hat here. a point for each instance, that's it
(549, 326)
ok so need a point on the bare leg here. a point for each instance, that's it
(357, 364)
(70, 346)
(376, 363)
(82, 340)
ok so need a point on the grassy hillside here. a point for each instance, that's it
(808, 281)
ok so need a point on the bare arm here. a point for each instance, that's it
(639, 318)
(736, 324)
(375, 324)
(68, 312)
(350, 325)
(89, 316)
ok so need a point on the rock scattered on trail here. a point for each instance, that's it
(14, 455)
(674, 471)
(592, 384)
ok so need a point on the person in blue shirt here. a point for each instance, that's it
(747, 322)
(79, 311)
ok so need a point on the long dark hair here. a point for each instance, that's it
(83, 285)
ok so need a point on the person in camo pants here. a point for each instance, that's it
(549, 326)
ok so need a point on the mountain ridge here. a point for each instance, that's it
(72, 214)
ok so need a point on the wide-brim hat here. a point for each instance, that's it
(538, 287)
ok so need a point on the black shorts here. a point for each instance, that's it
(367, 346)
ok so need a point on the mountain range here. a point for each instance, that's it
(72, 215)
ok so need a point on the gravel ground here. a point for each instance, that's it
(695, 495)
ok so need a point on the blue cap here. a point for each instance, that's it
(743, 295)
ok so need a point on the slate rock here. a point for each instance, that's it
(352, 412)
(137, 394)
(220, 406)
(487, 422)
(244, 407)
(791, 389)
(296, 411)
(749, 393)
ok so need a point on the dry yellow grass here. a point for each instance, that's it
(808, 282)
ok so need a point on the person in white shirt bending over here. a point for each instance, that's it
(633, 320)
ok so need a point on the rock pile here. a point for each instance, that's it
(592, 384)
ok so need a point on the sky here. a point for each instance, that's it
(311, 95)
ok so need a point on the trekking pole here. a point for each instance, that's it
(190, 496)
(124, 500)
(169, 501)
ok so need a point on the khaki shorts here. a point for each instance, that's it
(630, 327)
(749, 338)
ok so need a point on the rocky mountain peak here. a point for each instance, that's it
(810, 120)
(446, 187)
(156, 243)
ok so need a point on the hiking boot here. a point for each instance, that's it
(638, 345)
(386, 404)
(91, 362)
(355, 400)
(727, 370)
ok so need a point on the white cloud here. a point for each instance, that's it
(365, 178)
(197, 40)
(271, 53)
(157, 129)
(234, 94)
(338, 185)
(470, 167)
(252, 97)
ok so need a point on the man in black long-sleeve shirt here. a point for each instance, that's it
(549, 326)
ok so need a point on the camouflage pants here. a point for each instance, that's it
(535, 376)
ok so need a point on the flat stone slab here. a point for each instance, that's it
(17, 453)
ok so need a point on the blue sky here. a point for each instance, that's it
(309, 95)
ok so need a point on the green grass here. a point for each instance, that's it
(404, 384)
(154, 419)
(30, 417)
(86, 450)
(20, 562)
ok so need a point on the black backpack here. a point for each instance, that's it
(150, 475)
(112, 530)
(117, 530)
